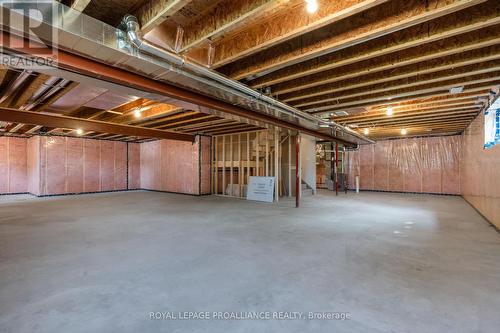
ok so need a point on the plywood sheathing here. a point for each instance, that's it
(434, 64)
(292, 22)
(481, 70)
(369, 24)
(473, 83)
(223, 18)
(154, 12)
(453, 27)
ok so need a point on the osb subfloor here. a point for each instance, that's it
(103, 262)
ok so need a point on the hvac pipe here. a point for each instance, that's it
(219, 81)
(83, 66)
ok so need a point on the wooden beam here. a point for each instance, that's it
(283, 25)
(226, 16)
(176, 124)
(238, 130)
(368, 100)
(374, 23)
(58, 121)
(79, 5)
(404, 124)
(419, 117)
(413, 110)
(217, 128)
(474, 95)
(195, 127)
(84, 66)
(438, 66)
(458, 77)
(154, 123)
(384, 60)
(405, 115)
(27, 92)
(155, 12)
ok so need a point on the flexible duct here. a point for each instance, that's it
(186, 68)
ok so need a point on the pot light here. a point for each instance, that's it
(79, 131)
(403, 131)
(311, 6)
(389, 111)
(366, 131)
(137, 113)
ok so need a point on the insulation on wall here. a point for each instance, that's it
(173, 166)
(76, 165)
(422, 165)
(13, 165)
(205, 158)
(480, 176)
(33, 163)
(134, 166)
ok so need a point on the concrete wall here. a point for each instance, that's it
(13, 165)
(176, 166)
(423, 165)
(480, 176)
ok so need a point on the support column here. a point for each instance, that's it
(336, 168)
(298, 190)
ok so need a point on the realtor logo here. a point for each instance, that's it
(29, 36)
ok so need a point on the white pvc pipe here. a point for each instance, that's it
(357, 184)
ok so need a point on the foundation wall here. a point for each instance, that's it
(75, 165)
(13, 165)
(176, 166)
(422, 165)
(60, 165)
(480, 177)
(134, 166)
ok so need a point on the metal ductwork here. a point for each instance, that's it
(82, 35)
(186, 68)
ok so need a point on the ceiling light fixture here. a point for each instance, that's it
(137, 113)
(366, 131)
(403, 131)
(389, 111)
(79, 131)
(311, 6)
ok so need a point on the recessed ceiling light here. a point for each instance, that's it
(403, 131)
(366, 131)
(137, 113)
(79, 131)
(311, 6)
(389, 111)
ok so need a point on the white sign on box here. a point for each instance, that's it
(261, 189)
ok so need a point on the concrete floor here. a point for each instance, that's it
(102, 263)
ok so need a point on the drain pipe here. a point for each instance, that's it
(220, 81)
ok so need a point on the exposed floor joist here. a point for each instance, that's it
(154, 12)
(381, 20)
(293, 22)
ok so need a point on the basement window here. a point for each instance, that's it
(492, 125)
